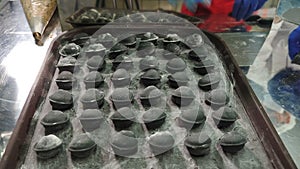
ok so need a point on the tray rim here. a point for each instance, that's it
(273, 146)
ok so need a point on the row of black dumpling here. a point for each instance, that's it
(124, 143)
(97, 63)
(123, 97)
(66, 80)
(153, 118)
(68, 54)
(107, 44)
(50, 146)
(172, 44)
(121, 78)
(71, 51)
(202, 65)
(151, 97)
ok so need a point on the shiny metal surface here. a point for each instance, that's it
(244, 45)
(20, 62)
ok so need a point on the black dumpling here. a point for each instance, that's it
(173, 48)
(122, 62)
(107, 14)
(67, 64)
(209, 81)
(150, 77)
(129, 41)
(70, 49)
(197, 55)
(178, 79)
(145, 48)
(204, 67)
(191, 118)
(95, 49)
(148, 37)
(149, 62)
(85, 19)
(176, 65)
(194, 41)
(198, 144)
(81, 146)
(124, 143)
(92, 99)
(121, 97)
(161, 142)
(154, 118)
(65, 80)
(92, 13)
(48, 146)
(120, 78)
(91, 119)
(183, 96)
(96, 63)
(93, 79)
(232, 142)
(216, 98)
(106, 39)
(151, 96)
(172, 38)
(123, 118)
(116, 50)
(54, 120)
(225, 117)
(61, 100)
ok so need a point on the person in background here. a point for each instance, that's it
(238, 9)
(221, 15)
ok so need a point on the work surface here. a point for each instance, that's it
(21, 60)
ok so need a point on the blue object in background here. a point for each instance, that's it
(284, 88)
(242, 9)
(294, 43)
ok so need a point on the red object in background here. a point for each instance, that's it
(223, 23)
(216, 7)
(216, 16)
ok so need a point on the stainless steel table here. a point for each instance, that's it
(20, 62)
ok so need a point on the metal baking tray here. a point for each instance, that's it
(277, 155)
(74, 18)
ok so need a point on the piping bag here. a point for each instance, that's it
(38, 14)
